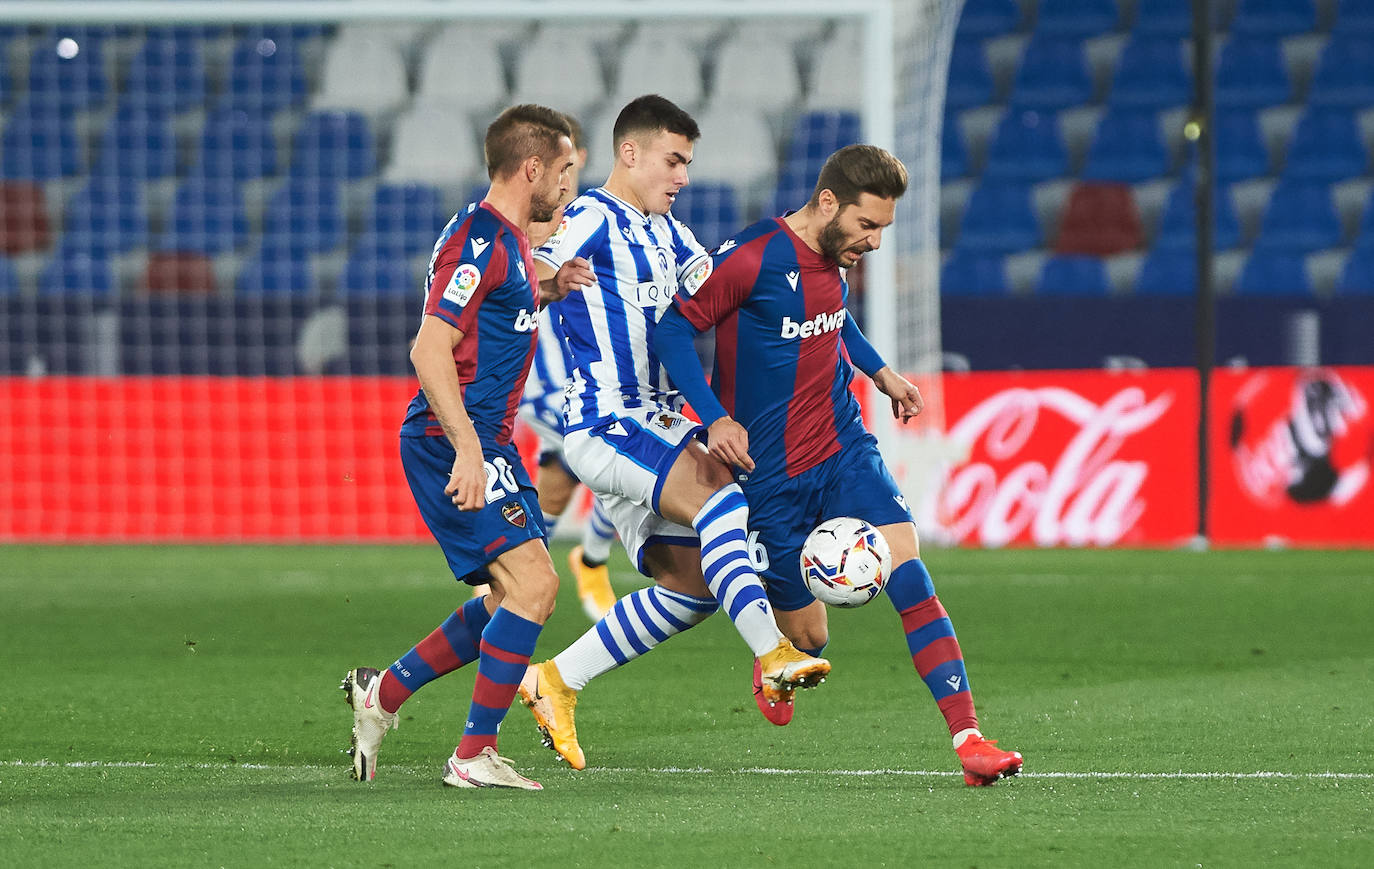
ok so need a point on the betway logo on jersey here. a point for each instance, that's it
(817, 325)
(524, 321)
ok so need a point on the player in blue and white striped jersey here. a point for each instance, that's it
(680, 514)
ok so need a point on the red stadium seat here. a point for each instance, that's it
(1099, 220)
(24, 223)
(178, 272)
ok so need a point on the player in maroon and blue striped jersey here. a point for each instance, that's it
(779, 408)
(472, 354)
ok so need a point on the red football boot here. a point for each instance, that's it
(984, 763)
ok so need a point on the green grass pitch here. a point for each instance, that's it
(177, 706)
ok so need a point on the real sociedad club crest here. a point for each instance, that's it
(513, 513)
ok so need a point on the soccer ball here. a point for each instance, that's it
(845, 561)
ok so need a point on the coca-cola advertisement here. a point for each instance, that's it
(1292, 449)
(1066, 458)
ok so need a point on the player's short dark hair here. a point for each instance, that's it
(652, 113)
(522, 132)
(856, 169)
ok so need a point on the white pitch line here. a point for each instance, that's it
(672, 770)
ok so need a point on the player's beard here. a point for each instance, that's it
(542, 208)
(833, 242)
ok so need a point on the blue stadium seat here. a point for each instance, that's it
(167, 73)
(236, 144)
(1073, 276)
(1079, 18)
(1240, 152)
(1357, 278)
(1326, 146)
(1168, 273)
(1027, 147)
(67, 70)
(77, 272)
(9, 281)
(276, 273)
(1178, 224)
(6, 83)
(966, 273)
(1269, 272)
(405, 219)
(265, 75)
(1274, 17)
(370, 272)
(1171, 18)
(988, 18)
(1052, 75)
(1345, 73)
(207, 217)
(1151, 74)
(1300, 218)
(1128, 147)
(998, 218)
(1251, 74)
(137, 144)
(953, 154)
(304, 217)
(815, 136)
(970, 79)
(39, 143)
(711, 210)
(108, 215)
(337, 145)
(1355, 17)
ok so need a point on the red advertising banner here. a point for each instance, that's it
(1291, 451)
(1069, 458)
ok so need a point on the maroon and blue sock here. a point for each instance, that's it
(507, 644)
(934, 648)
(450, 646)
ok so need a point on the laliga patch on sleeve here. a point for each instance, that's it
(693, 281)
(463, 284)
(558, 234)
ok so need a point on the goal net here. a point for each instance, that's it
(215, 221)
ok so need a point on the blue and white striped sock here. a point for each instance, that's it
(597, 535)
(638, 622)
(722, 526)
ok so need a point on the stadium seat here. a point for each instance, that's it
(404, 219)
(265, 75)
(1178, 224)
(1239, 149)
(989, 18)
(815, 136)
(1052, 75)
(1345, 72)
(207, 217)
(433, 148)
(1151, 74)
(1099, 220)
(369, 272)
(970, 79)
(740, 151)
(1300, 218)
(1080, 18)
(1269, 272)
(25, 226)
(710, 210)
(998, 219)
(237, 144)
(1168, 273)
(1251, 74)
(1326, 146)
(72, 272)
(334, 145)
(1274, 17)
(1026, 147)
(1073, 276)
(276, 273)
(760, 74)
(574, 83)
(478, 87)
(966, 273)
(832, 68)
(1355, 17)
(363, 73)
(167, 74)
(1357, 277)
(67, 71)
(1128, 147)
(304, 217)
(1171, 18)
(39, 143)
(179, 273)
(109, 215)
(654, 63)
(137, 144)
(9, 281)
(953, 154)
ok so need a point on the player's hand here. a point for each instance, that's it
(467, 482)
(575, 274)
(728, 441)
(906, 398)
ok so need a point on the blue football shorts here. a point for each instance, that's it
(472, 540)
(783, 511)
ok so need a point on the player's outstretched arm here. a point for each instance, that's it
(432, 356)
(906, 398)
(575, 274)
